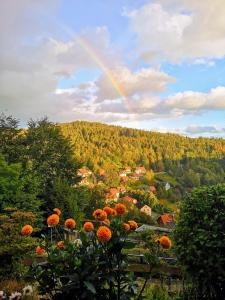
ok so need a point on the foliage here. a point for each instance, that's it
(92, 267)
(200, 240)
(18, 189)
(13, 246)
(188, 162)
(9, 138)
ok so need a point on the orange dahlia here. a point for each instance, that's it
(39, 250)
(107, 221)
(99, 214)
(126, 227)
(88, 226)
(53, 220)
(70, 223)
(133, 225)
(108, 210)
(27, 230)
(60, 245)
(165, 242)
(104, 234)
(120, 208)
(57, 211)
(114, 213)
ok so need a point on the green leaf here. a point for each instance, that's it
(90, 287)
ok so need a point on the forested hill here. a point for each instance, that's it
(99, 145)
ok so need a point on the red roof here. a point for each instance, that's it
(113, 191)
(101, 172)
(152, 189)
(130, 199)
(134, 175)
(165, 219)
(141, 169)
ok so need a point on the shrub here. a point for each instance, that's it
(200, 240)
(93, 266)
(14, 246)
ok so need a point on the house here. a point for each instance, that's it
(122, 189)
(140, 170)
(147, 210)
(101, 172)
(83, 172)
(127, 170)
(152, 189)
(113, 194)
(166, 220)
(84, 181)
(122, 174)
(134, 176)
(124, 178)
(130, 200)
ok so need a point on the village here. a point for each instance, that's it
(128, 176)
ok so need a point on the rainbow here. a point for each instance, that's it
(92, 53)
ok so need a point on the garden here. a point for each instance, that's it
(92, 259)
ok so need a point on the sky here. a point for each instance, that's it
(154, 65)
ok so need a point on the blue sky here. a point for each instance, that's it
(167, 56)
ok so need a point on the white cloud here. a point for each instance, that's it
(143, 81)
(33, 58)
(177, 30)
(197, 129)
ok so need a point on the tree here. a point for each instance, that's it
(9, 138)
(200, 240)
(18, 189)
(49, 152)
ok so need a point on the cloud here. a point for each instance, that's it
(179, 104)
(196, 129)
(34, 57)
(177, 30)
(143, 81)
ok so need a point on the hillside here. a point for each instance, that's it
(188, 162)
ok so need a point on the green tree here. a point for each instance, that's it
(9, 138)
(200, 240)
(18, 188)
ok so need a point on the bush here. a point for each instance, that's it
(14, 246)
(200, 240)
(95, 266)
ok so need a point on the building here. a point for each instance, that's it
(101, 172)
(122, 174)
(147, 210)
(152, 189)
(113, 194)
(140, 170)
(134, 176)
(166, 220)
(130, 200)
(127, 170)
(83, 172)
(84, 181)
